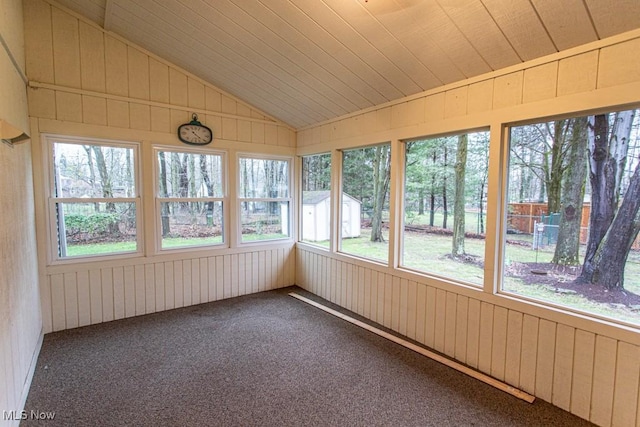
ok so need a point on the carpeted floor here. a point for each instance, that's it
(259, 360)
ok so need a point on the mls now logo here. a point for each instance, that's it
(27, 415)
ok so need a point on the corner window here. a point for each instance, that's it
(190, 198)
(316, 200)
(364, 210)
(264, 199)
(573, 214)
(94, 203)
(445, 204)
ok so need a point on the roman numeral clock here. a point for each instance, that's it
(194, 132)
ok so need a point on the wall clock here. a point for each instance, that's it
(194, 132)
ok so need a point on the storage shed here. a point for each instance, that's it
(316, 214)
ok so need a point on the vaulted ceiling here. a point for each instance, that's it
(308, 61)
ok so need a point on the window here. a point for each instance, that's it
(316, 199)
(444, 206)
(264, 198)
(572, 217)
(190, 196)
(364, 213)
(94, 205)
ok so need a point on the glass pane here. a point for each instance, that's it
(264, 220)
(444, 206)
(365, 202)
(191, 224)
(93, 171)
(86, 229)
(573, 199)
(189, 175)
(316, 199)
(260, 178)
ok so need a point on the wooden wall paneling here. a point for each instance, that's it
(178, 281)
(388, 298)
(242, 290)
(66, 48)
(421, 312)
(451, 313)
(257, 133)
(129, 291)
(529, 353)
(403, 306)
(578, 73)
(582, 378)
(440, 319)
(139, 116)
(195, 281)
(563, 367)
(455, 103)
(619, 64)
(42, 103)
(195, 97)
(333, 280)
(116, 66)
(507, 90)
(499, 342)
(169, 286)
(178, 88)
(187, 289)
(380, 313)
(625, 398)
(480, 97)
(462, 324)
(94, 110)
(71, 300)
(269, 270)
(92, 53)
(395, 303)
(348, 286)
(473, 333)
(373, 295)
(430, 325)
(220, 275)
(235, 284)
(68, 107)
(244, 130)
(39, 38)
(160, 119)
(486, 337)
(95, 292)
(158, 81)
(434, 107)
(84, 298)
(271, 135)
(229, 128)
(106, 277)
(412, 294)
(226, 274)
(540, 82)
(117, 113)
(545, 359)
(255, 274)
(149, 288)
(604, 371)
(514, 348)
(118, 293)
(141, 299)
(361, 291)
(159, 297)
(211, 282)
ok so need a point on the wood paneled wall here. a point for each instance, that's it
(583, 365)
(86, 82)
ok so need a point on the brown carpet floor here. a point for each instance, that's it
(259, 360)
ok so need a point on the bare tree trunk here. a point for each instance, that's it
(611, 256)
(164, 209)
(381, 178)
(568, 244)
(458, 209)
(445, 213)
(432, 195)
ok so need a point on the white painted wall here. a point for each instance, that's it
(583, 365)
(20, 320)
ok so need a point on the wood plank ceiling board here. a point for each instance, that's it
(190, 56)
(339, 76)
(475, 22)
(91, 9)
(568, 22)
(309, 72)
(521, 25)
(436, 25)
(608, 19)
(366, 20)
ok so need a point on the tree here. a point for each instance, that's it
(381, 178)
(164, 207)
(608, 146)
(568, 243)
(459, 200)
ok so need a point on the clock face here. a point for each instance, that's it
(195, 134)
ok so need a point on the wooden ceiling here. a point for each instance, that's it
(308, 61)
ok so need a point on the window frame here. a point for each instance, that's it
(53, 242)
(289, 199)
(158, 200)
